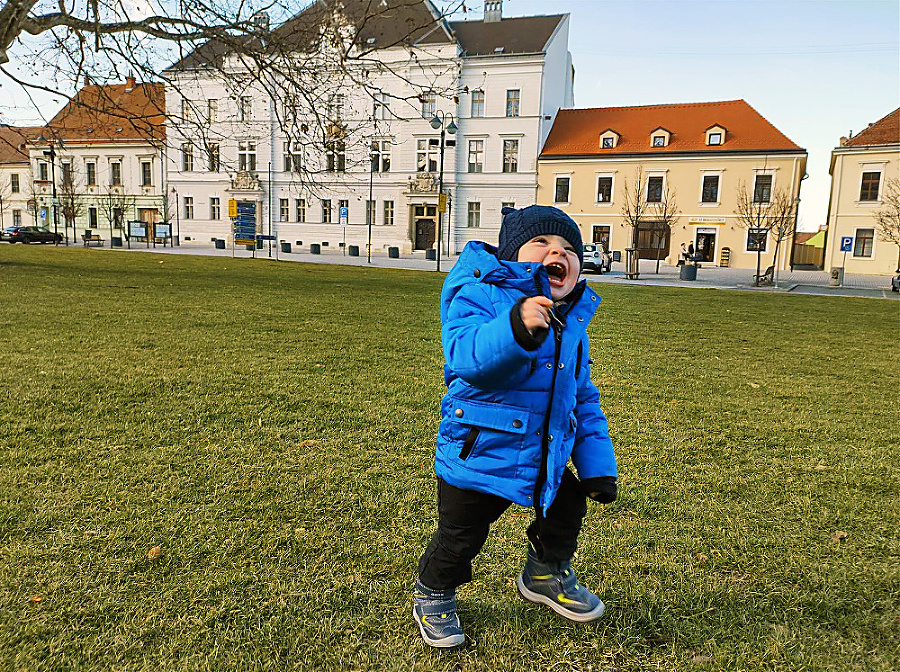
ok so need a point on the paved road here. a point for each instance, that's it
(708, 277)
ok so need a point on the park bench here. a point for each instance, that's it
(92, 239)
(766, 278)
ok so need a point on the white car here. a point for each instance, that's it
(596, 259)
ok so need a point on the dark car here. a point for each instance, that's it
(596, 259)
(895, 283)
(29, 234)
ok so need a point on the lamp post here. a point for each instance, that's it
(370, 210)
(440, 122)
(51, 154)
(177, 218)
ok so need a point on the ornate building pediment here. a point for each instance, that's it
(423, 183)
(245, 181)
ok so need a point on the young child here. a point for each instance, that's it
(519, 404)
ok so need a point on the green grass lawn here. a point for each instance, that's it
(270, 426)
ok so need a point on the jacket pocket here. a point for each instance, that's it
(486, 437)
(471, 437)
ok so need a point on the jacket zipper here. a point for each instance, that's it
(545, 435)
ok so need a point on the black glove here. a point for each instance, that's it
(602, 489)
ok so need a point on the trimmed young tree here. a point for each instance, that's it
(887, 220)
(661, 215)
(765, 215)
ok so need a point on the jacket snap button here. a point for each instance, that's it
(459, 413)
(550, 437)
(581, 319)
(549, 366)
(561, 365)
(477, 273)
(517, 423)
(593, 298)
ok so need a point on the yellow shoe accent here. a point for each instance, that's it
(562, 598)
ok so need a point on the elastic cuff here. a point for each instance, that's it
(525, 338)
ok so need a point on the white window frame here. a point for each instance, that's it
(476, 110)
(429, 105)
(662, 189)
(388, 210)
(612, 189)
(425, 150)
(515, 155)
(556, 178)
(711, 173)
(246, 155)
(284, 209)
(874, 231)
(475, 162)
(870, 168)
(763, 171)
(473, 215)
(215, 208)
(513, 103)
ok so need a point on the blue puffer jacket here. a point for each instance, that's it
(507, 408)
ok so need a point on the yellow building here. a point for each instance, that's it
(861, 168)
(699, 155)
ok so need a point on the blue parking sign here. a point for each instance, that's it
(846, 243)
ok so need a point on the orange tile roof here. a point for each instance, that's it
(13, 140)
(127, 112)
(577, 132)
(885, 131)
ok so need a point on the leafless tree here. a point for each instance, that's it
(71, 204)
(115, 205)
(302, 62)
(887, 219)
(765, 215)
(657, 216)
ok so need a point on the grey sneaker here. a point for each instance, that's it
(435, 613)
(555, 584)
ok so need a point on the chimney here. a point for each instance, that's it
(87, 79)
(493, 11)
(129, 83)
(260, 22)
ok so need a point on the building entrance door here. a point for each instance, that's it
(601, 236)
(425, 225)
(706, 246)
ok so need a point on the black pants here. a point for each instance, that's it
(465, 516)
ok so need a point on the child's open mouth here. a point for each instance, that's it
(557, 273)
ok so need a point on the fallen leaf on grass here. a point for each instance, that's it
(840, 535)
(37, 598)
(618, 525)
(320, 365)
(820, 467)
(755, 386)
(155, 553)
(308, 443)
(793, 408)
(702, 557)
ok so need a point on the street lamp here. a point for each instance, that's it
(177, 218)
(440, 122)
(51, 154)
(370, 209)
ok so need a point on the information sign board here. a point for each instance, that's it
(137, 229)
(163, 230)
(245, 223)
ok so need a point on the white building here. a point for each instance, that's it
(500, 81)
(15, 177)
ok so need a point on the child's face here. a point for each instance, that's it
(559, 258)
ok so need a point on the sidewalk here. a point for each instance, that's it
(708, 276)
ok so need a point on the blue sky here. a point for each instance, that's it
(816, 69)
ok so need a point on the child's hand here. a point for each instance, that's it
(535, 312)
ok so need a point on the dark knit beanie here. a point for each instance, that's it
(520, 226)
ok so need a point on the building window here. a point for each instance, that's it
(710, 189)
(14, 183)
(17, 218)
(292, 163)
(335, 156)
(115, 173)
(654, 189)
(381, 156)
(659, 141)
(474, 215)
(246, 155)
(476, 156)
(43, 172)
(93, 218)
(477, 103)
(427, 155)
(388, 213)
(762, 189)
(215, 210)
(512, 103)
(326, 211)
(562, 190)
(300, 209)
(212, 111)
(429, 105)
(868, 190)
(284, 209)
(381, 106)
(245, 108)
(213, 160)
(510, 156)
(90, 171)
(185, 109)
(608, 143)
(604, 189)
(863, 242)
(66, 167)
(187, 157)
(507, 204)
(188, 207)
(756, 240)
(335, 109)
(146, 174)
(370, 213)
(715, 138)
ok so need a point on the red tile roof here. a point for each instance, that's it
(127, 112)
(13, 140)
(577, 132)
(885, 131)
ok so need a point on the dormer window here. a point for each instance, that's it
(609, 139)
(660, 137)
(715, 135)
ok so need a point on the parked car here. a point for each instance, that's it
(596, 259)
(895, 283)
(29, 234)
